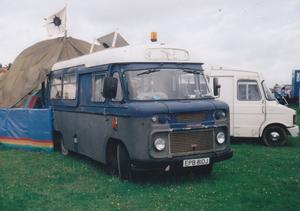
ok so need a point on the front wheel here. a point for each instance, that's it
(123, 163)
(274, 136)
(119, 161)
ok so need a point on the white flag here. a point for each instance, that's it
(56, 24)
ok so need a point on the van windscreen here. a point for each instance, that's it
(268, 94)
(166, 84)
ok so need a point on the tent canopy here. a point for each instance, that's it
(31, 67)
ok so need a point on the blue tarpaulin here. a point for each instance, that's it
(28, 129)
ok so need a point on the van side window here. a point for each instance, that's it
(56, 88)
(119, 96)
(69, 86)
(98, 81)
(248, 90)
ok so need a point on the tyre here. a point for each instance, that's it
(63, 150)
(274, 136)
(118, 161)
(123, 163)
(112, 162)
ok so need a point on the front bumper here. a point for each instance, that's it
(177, 162)
(294, 131)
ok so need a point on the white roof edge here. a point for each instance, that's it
(120, 55)
(232, 70)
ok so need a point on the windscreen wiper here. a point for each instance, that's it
(148, 72)
(192, 71)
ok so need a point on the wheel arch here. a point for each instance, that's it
(111, 146)
(274, 124)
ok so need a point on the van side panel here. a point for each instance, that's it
(227, 95)
(87, 130)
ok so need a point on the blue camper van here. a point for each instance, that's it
(138, 108)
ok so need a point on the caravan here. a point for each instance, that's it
(254, 111)
(145, 107)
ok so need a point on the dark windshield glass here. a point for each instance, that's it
(166, 84)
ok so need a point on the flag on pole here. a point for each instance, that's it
(56, 24)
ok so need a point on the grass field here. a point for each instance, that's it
(256, 178)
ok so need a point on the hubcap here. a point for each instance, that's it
(275, 136)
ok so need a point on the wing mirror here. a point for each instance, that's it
(216, 87)
(110, 87)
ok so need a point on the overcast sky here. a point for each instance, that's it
(254, 35)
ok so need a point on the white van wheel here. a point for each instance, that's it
(274, 136)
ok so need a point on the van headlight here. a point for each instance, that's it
(220, 114)
(160, 144)
(221, 137)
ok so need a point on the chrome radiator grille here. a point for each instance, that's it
(191, 117)
(191, 141)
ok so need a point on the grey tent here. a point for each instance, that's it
(30, 68)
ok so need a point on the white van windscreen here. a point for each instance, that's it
(268, 93)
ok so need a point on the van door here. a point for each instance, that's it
(227, 95)
(249, 108)
(92, 125)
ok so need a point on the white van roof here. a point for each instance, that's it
(231, 72)
(127, 54)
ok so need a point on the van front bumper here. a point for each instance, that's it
(294, 131)
(177, 162)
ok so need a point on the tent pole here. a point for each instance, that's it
(92, 46)
(66, 34)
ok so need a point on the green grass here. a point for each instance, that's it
(256, 178)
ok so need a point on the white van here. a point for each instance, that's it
(254, 112)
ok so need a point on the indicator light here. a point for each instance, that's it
(153, 36)
(114, 123)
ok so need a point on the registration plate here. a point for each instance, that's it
(195, 162)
